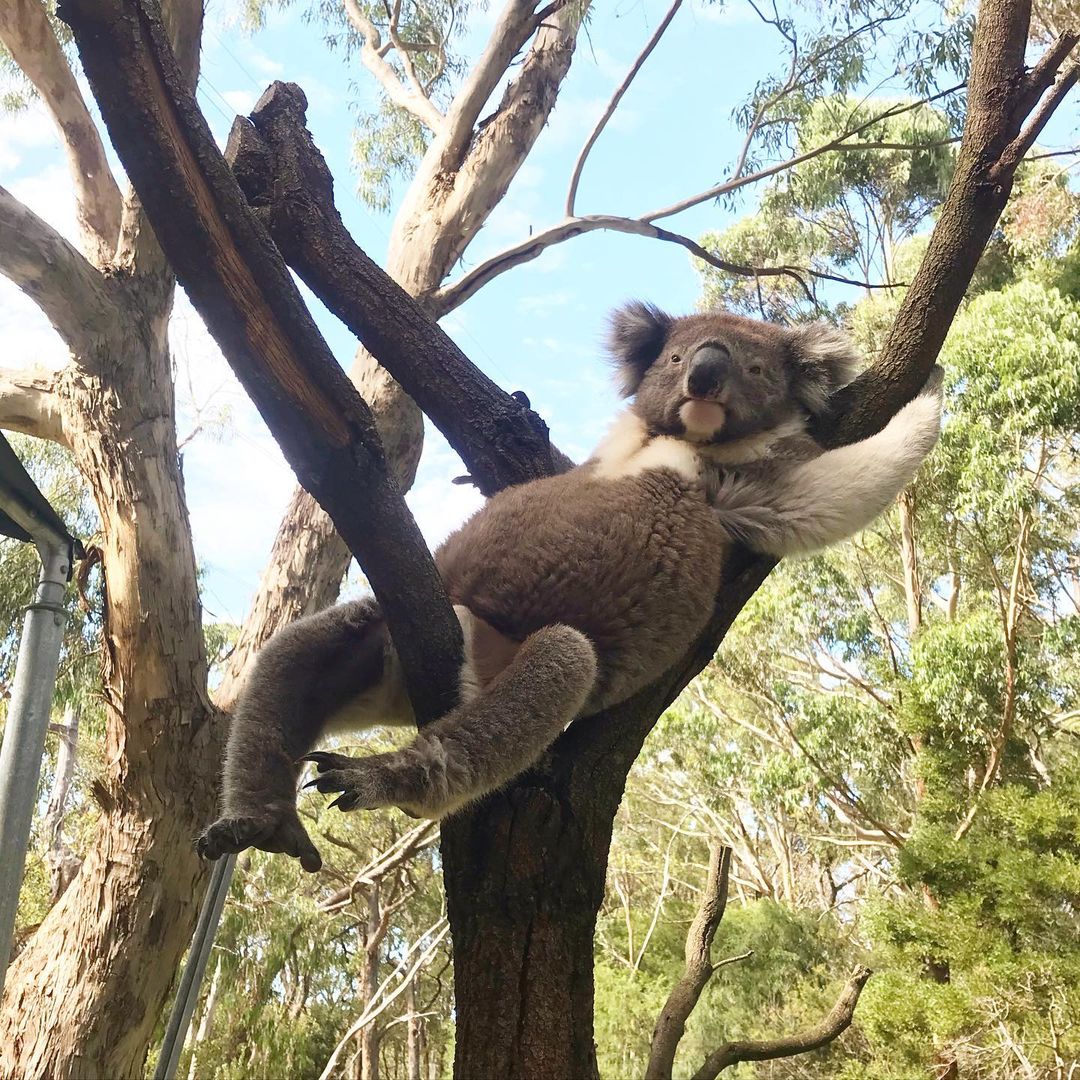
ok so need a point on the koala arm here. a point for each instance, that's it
(818, 502)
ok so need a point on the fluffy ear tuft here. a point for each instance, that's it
(636, 334)
(825, 359)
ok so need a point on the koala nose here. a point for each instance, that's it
(708, 371)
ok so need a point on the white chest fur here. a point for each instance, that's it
(628, 450)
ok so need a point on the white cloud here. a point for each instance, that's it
(50, 195)
(240, 101)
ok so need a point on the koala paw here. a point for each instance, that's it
(268, 829)
(361, 781)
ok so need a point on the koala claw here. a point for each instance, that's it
(357, 780)
(266, 829)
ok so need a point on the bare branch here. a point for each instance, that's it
(383, 998)
(613, 104)
(737, 182)
(449, 296)
(835, 1024)
(373, 55)
(684, 996)
(53, 274)
(28, 403)
(457, 292)
(26, 34)
(516, 24)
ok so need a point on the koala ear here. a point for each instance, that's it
(825, 360)
(636, 334)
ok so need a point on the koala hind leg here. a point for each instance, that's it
(309, 676)
(482, 744)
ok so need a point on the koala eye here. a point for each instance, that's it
(754, 369)
(676, 358)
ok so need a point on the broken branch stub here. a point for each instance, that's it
(285, 178)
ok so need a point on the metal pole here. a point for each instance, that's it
(27, 724)
(187, 993)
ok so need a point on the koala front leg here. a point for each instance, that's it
(833, 496)
(483, 743)
(300, 680)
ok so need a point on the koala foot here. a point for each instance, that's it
(364, 783)
(270, 828)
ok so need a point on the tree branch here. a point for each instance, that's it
(239, 284)
(283, 174)
(457, 292)
(53, 274)
(28, 403)
(466, 186)
(26, 34)
(613, 104)
(373, 56)
(698, 969)
(835, 1024)
(515, 25)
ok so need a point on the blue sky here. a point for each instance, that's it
(536, 328)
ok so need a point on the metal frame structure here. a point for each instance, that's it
(25, 514)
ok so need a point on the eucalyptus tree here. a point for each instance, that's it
(114, 406)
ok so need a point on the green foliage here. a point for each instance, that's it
(841, 212)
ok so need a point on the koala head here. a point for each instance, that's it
(715, 378)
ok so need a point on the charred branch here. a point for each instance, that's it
(285, 177)
(239, 284)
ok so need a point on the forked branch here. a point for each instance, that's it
(409, 95)
(671, 1024)
(834, 1025)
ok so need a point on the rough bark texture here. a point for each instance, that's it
(831, 1027)
(525, 872)
(82, 999)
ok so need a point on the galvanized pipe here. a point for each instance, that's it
(187, 993)
(27, 725)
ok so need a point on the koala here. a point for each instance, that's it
(575, 591)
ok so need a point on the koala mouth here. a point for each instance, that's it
(701, 418)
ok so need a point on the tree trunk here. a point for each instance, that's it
(414, 1039)
(83, 996)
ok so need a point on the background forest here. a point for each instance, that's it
(888, 741)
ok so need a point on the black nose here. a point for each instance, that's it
(708, 370)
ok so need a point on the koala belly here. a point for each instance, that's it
(633, 563)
